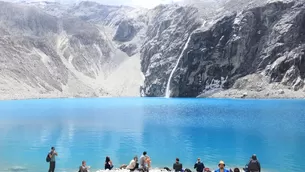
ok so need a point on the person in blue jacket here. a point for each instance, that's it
(221, 166)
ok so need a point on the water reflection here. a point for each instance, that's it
(91, 129)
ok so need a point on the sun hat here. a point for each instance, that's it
(221, 162)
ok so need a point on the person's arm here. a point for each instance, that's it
(203, 166)
(195, 165)
(174, 166)
(259, 166)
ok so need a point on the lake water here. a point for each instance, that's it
(213, 129)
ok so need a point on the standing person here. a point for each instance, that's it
(254, 165)
(143, 161)
(177, 166)
(52, 155)
(84, 167)
(199, 166)
(221, 166)
(108, 163)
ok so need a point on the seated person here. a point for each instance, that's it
(133, 165)
(108, 163)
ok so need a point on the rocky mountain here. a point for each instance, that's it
(263, 39)
(224, 48)
(49, 56)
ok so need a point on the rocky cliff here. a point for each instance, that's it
(265, 40)
(224, 48)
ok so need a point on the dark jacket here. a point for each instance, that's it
(199, 166)
(254, 166)
(177, 166)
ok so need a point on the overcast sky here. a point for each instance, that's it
(142, 3)
(139, 3)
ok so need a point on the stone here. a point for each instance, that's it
(299, 84)
(126, 31)
(244, 95)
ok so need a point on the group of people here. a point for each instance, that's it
(252, 166)
(145, 164)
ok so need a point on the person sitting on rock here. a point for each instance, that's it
(221, 166)
(108, 163)
(177, 166)
(133, 165)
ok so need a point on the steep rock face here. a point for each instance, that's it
(167, 33)
(125, 32)
(268, 39)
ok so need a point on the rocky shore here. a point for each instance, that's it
(256, 86)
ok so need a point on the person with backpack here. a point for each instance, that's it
(51, 159)
(254, 165)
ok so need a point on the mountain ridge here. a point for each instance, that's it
(94, 50)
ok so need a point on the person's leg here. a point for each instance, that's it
(50, 167)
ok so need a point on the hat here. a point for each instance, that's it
(221, 162)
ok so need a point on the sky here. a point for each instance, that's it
(141, 3)
(137, 3)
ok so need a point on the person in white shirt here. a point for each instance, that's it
(133, 164)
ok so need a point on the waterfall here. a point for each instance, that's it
(168, 92)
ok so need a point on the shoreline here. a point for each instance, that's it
(255, 86)
(157, 169)
(285, 94)
(227, 94)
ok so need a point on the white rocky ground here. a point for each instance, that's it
(257, 86)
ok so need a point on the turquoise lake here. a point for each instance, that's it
(213, 129)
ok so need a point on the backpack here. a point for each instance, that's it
(48, 159)
(253, 165)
